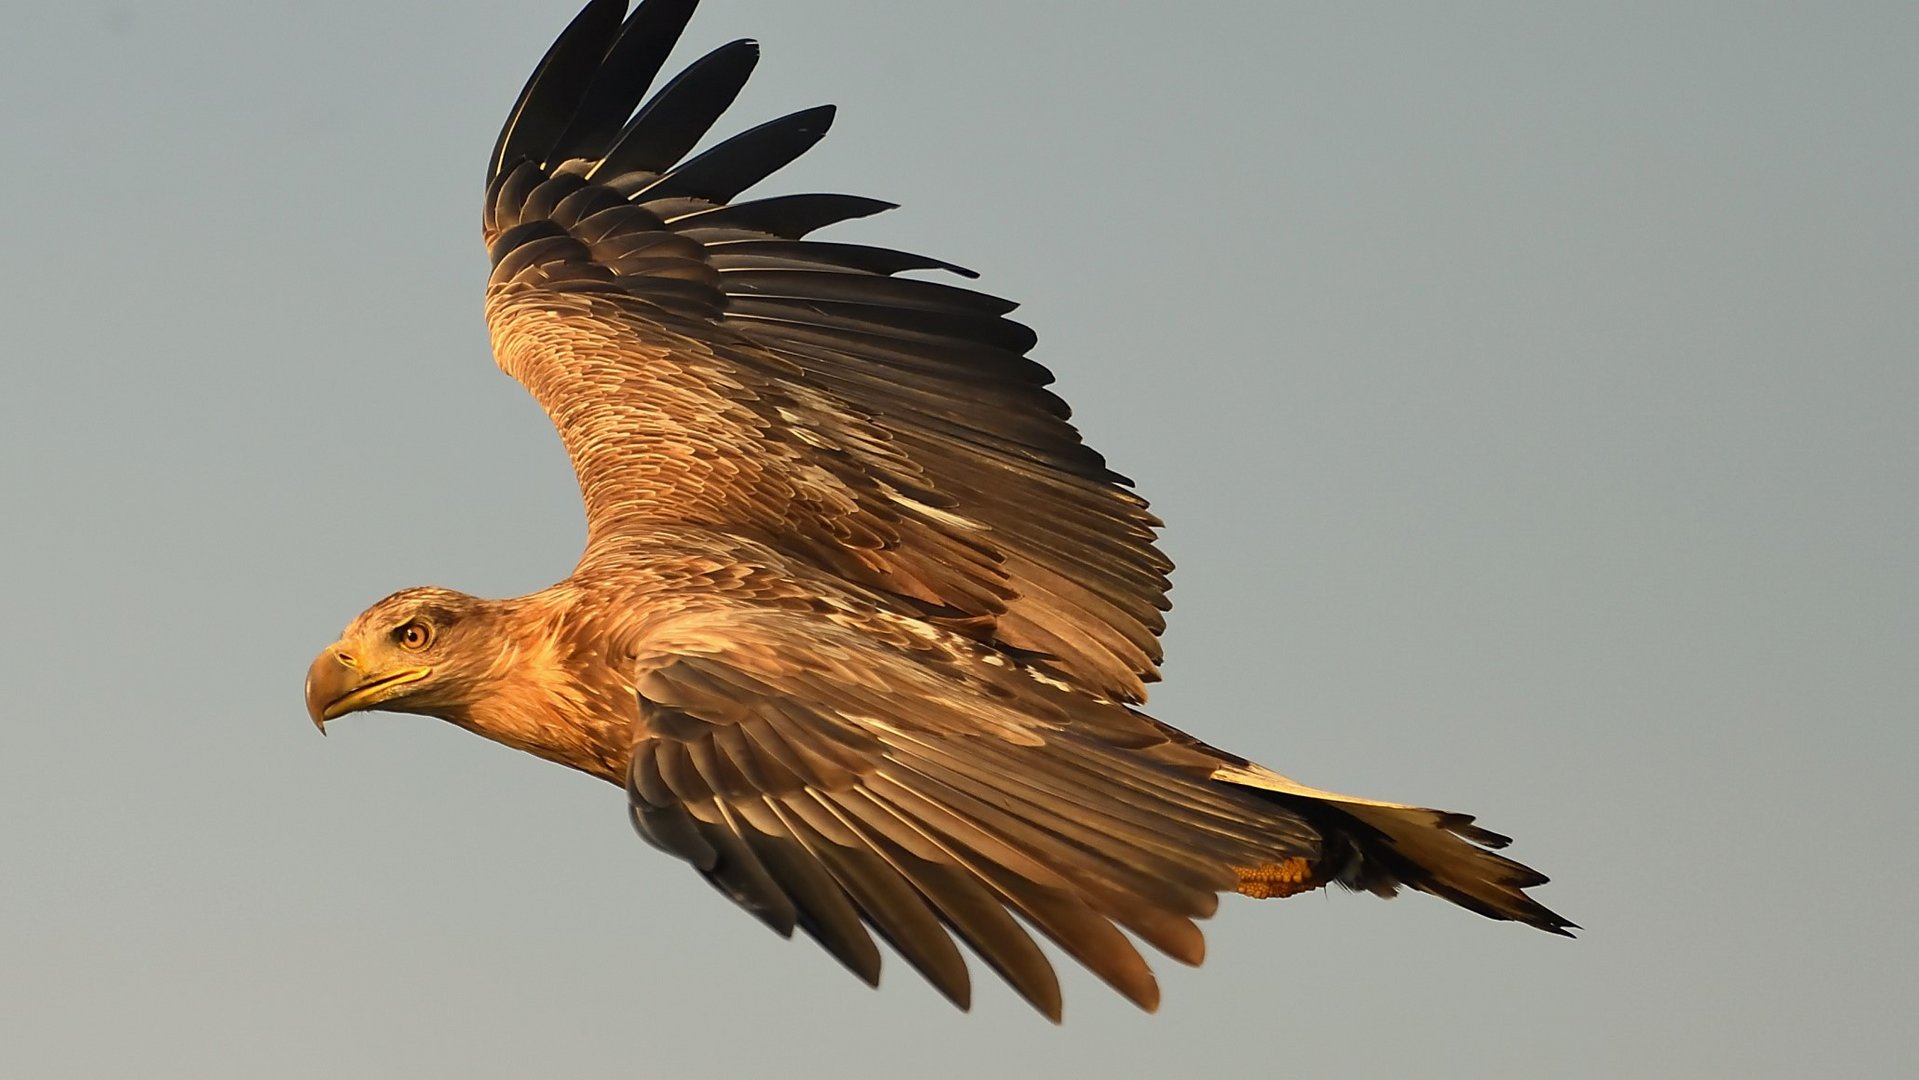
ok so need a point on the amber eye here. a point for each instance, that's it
(414, 635)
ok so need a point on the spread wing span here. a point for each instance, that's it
(706, 364)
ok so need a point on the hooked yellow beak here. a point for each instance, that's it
(337, 684)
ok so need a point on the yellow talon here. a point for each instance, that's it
(1277, 879)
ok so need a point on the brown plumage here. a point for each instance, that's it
(861, 623)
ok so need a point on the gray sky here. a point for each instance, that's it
(1529, 392)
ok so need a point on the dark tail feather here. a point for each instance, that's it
(1381, 847)
(1444, 854)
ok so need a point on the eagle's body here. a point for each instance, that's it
(862, 626)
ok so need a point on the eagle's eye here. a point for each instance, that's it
(415, 635)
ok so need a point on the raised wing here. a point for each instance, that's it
(707, 365)
(834, 779)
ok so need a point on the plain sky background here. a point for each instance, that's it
(1529, 391)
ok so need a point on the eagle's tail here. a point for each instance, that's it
(1380, 847)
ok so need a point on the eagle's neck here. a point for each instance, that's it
(555, 689)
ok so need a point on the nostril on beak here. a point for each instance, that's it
(346, 658)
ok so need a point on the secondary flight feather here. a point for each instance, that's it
(862, 626)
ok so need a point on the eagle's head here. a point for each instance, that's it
(421, 650)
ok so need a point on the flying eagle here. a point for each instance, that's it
(862, 627)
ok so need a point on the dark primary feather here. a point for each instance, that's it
(684, 110)
(818, 255)
(555, 91)
(630, 65)
(788, 217)
(745, 159)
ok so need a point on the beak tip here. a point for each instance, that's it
(337, 684)
(326, 680)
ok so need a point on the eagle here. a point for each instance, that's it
(862, 627)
